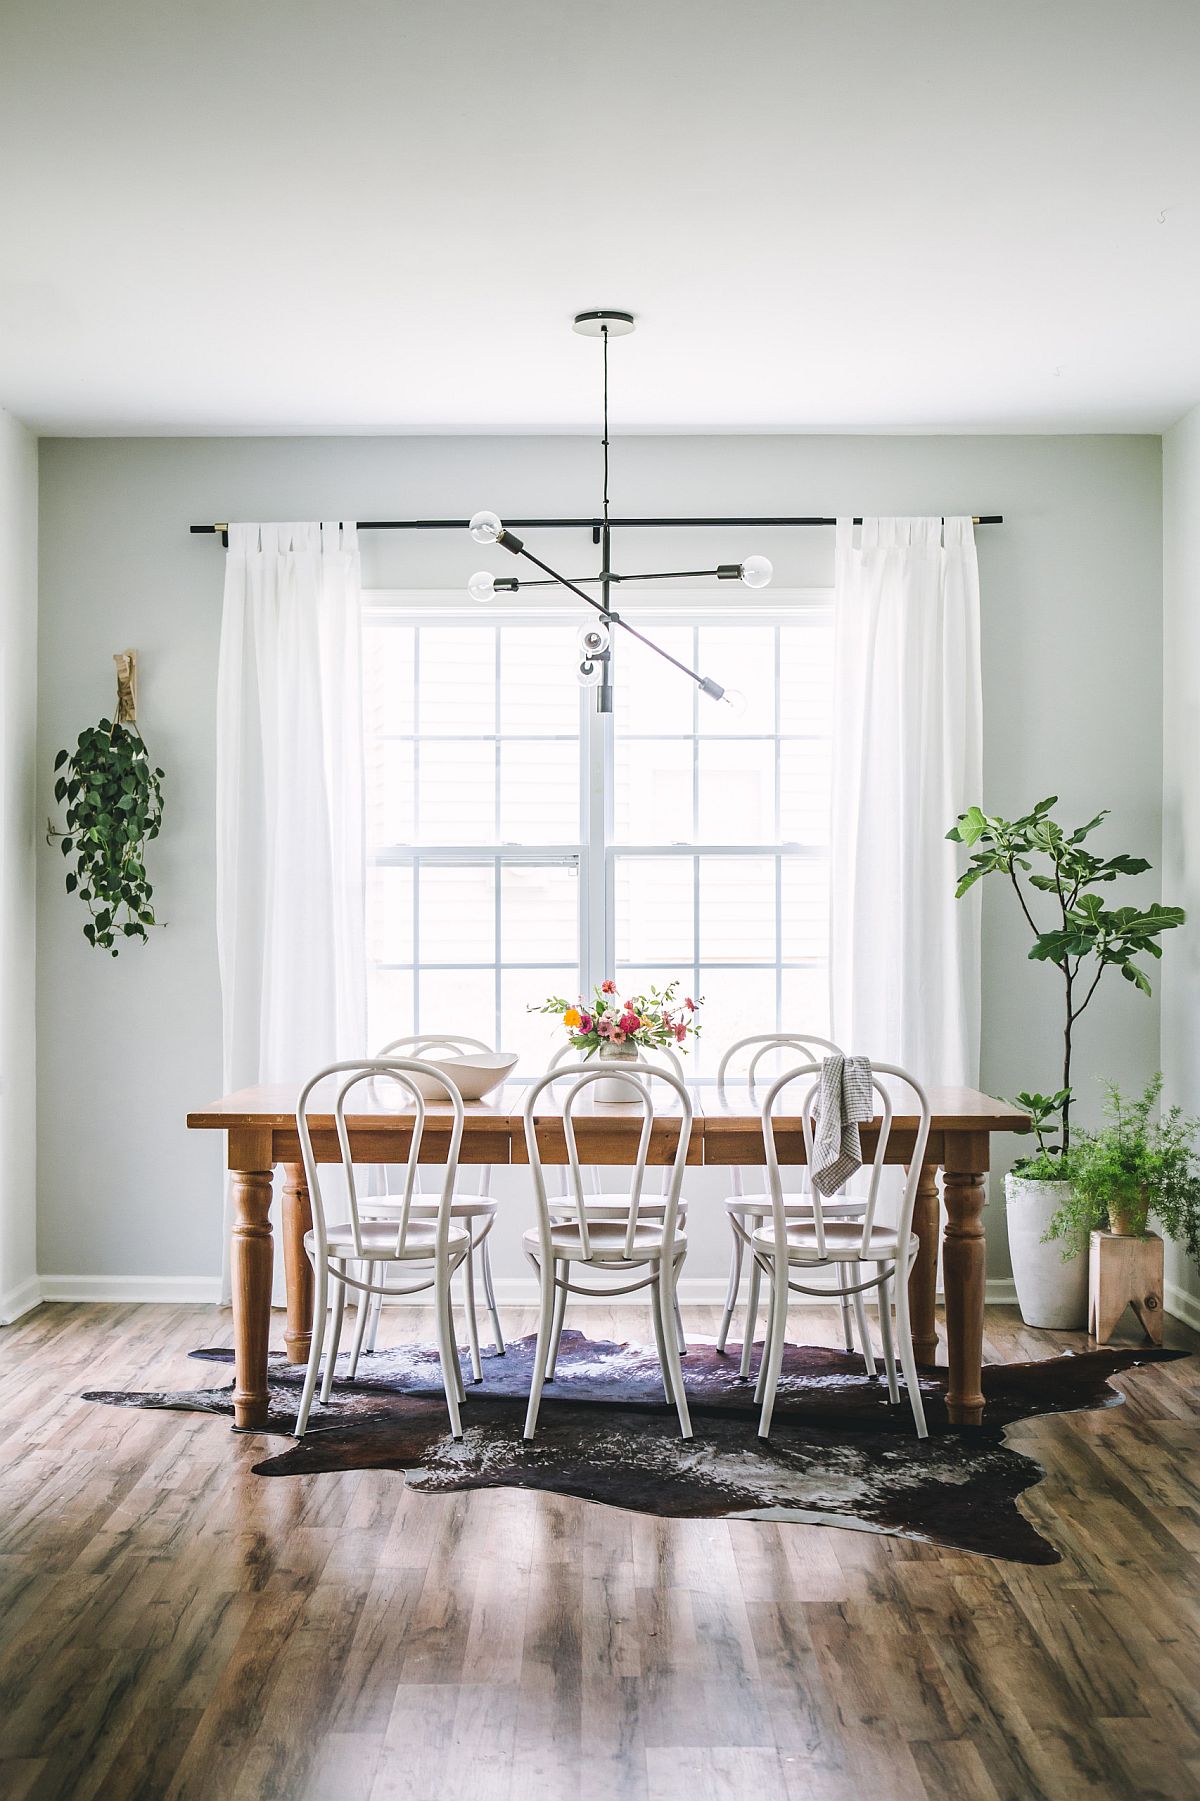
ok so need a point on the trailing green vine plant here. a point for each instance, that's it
(114, 808)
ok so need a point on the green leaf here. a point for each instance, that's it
(60, 759)
(72, 881)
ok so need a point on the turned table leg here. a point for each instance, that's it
(922, 1282)
(963, 1265)
(251, 1282)
(297, 1270)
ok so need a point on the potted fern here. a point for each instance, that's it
(1141, 1162)
(1046, 863)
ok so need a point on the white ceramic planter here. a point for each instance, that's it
(612, 1091)
(1050, 1291)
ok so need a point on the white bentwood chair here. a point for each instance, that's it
(476, 1211)
(406, 1240)
(643, 1243)
(849, 1247)
(612, 1205)
(747, 1209)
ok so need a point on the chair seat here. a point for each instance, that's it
(606, 1242)
(843, 1242)
(758, 1206)
(378, 1240)
(471, 1206)
(612, 1207)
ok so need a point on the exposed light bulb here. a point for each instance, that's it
(594, 640)
(589, 674)
(485, 528)
(756, 572)
(735, 700)
(482, 585)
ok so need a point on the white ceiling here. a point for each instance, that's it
(290, 215)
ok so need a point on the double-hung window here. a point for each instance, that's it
(522, 844)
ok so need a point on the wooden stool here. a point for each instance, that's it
(1125, 1272)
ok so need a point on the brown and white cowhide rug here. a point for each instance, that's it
(839, 1454)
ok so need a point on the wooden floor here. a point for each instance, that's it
(171, 1625)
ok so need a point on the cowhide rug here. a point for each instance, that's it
(839, 1454)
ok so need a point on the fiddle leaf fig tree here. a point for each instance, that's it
(1083, 937)
(114, 807)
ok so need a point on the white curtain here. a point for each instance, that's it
(907, 759)
(290, 803)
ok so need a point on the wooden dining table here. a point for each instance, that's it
(260, 1128)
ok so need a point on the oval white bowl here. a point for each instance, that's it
(475, 1074)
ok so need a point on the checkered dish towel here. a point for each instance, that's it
(846, 1101)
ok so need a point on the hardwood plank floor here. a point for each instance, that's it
(172, 1626)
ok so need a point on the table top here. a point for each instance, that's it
(733, 1108)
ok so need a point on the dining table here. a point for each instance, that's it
(261, 1135)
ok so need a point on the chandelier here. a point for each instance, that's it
(596, 639)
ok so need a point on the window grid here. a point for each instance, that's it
(595, 856)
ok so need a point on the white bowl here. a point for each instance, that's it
(475, 1074)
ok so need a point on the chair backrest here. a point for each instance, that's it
(568, 1054)
(582, 1076)
(455, 1044)
(760, 1045)
(809, 1075)
(401, 1071)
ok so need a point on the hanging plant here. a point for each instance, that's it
(113, 808)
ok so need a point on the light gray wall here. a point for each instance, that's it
(1073, 688)
(1181, 797)
(18, 704)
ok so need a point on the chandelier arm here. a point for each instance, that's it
(702, 681)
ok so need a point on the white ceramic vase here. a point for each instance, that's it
(1051, 1291)
(613, 1091)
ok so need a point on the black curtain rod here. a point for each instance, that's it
(592, 525)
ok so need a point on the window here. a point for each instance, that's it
(522, 846)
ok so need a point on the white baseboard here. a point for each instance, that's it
(16, 1302)
(1181, 1305)
(511, 1291)
(176, 1289)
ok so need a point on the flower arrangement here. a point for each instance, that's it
(643, 1021)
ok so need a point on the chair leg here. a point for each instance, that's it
(320, 1309)
(751, 1325)
(668, 1303)
(468, 1265)
(773, 1349)
(884, 1292)
(374, 1315)
(908, 1361)
(735, 1282)
(680, 1334)
(489, 1289)
(760, 1386)
(660, 1340)
(847, 1327)
(335, 1336)
(545, 1269)
(860, 1314)
(447, 1349)
(560, 1314)
(367, 1274)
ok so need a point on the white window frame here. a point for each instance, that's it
(595, 854)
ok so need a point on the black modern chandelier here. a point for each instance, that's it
(595, 640)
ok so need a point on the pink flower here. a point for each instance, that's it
(628, 1022)
(608, 987)
(681, 1031)
(585, 1022)
(690, 1004)
(604, 1026)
